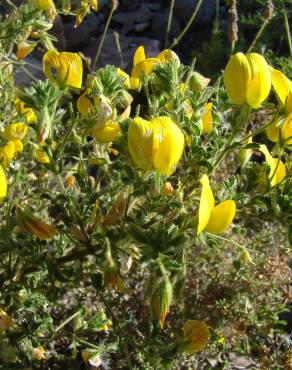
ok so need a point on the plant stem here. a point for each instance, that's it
(97, 55)
(169, 22)
(188, 25)
(258, 35)
(67, 135)
(242, 118)
(67, 321)
(229, 241)
(287, 27)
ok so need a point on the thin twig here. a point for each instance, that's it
(287, 27)
(188, 25)
(169, 21)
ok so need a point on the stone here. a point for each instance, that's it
(184, 8)
(34, 67)
(128, 44)
(59, 32)
(159, 25)
(240, 362)
(76, 38)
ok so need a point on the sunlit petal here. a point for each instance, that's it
(221, 217)
(206, 204)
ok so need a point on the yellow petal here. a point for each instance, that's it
(84, 103)
(94, 4)
(277, 167)
(286, 130)
(167, 55)
(139, 55)
(260, 83)
(171, 145)
(221, 217)
(281, 84)
(25, 111)
(273, 132)
(236, 77)
(67, 66)
(144, 67)
(125, 77)
(142, 142)
(18, 145)
(3, 184)
(9, 150)
(207, 119)
(206, 204)
(288, 105)
(134, 83)
(15, 131)
(195, 336)
(41, 157)
(108, 134)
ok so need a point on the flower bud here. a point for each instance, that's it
(167, 189)
(70, 181)
(245, 258)
(5, 321)
(117, 211)
(198, 82)
(245, 154)
(23, 49)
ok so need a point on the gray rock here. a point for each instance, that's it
(240, 362)
(159, 24)
(77, 37)
(111, 55)
(33, 66)
(59, 32)
(183, 10)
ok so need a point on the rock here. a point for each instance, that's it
(159, 24)
(59, 32)
(76, 38)
(128, 44)
(139, 27)
(184, 8)
(128, 20)
(34, 67)
(240, 362)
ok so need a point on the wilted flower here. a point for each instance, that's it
(213, 219)
(35, 226)
(245, 258)
(195, 336)
(277, 167)
(3, 184)
(161, 300)
(38, 353)
(247, 79)
(111, 274)
(158, 143)
(167, 189)
(68, 68)
(5, 320)
(83, 9)
(198, 82)
(23, 49)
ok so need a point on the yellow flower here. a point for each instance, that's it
(109, 133)
(41, 4)
(35, 226)
(247, 79)
(68, 68)
(213, 219)
(41, 157)
(245, 258)
(70, 181)
(83, 9)
(158, 143)
(15, 131)
(283, 88)
(3, 184)
(38, 353)
(283, 132)
(143, 65)
(277, 167)
(25, 111)
(195, 336)
(207, 119)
